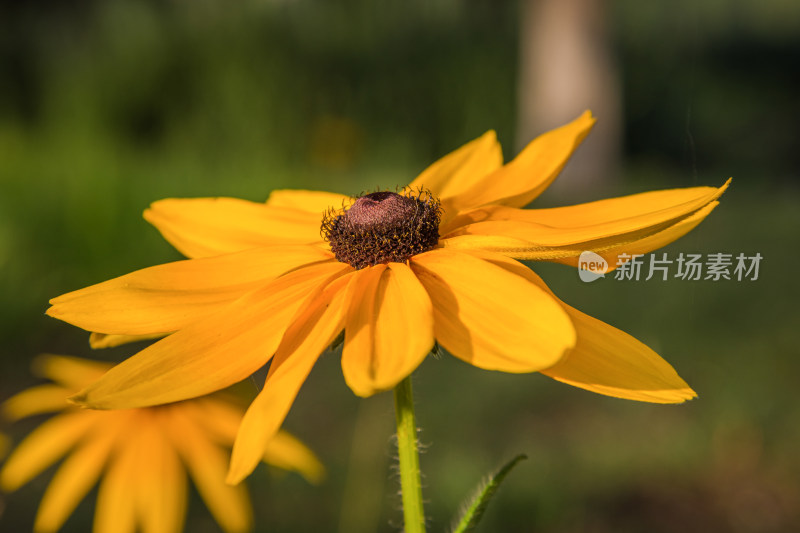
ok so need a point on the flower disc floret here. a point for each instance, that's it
(383, 227)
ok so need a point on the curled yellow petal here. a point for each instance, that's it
(615, 216)
(643, 245)
(639, 224)
(491, 318)
(389, 328)
(595, 220)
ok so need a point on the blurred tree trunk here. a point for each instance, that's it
(566, 67)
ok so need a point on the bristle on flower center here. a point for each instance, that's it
(383, 227)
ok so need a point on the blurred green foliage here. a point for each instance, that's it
(108, 106)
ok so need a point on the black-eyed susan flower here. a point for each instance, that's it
(397, 271)
(142, 456)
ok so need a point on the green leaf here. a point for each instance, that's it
(472, 512)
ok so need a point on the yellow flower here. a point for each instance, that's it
(394, 271)
(145, 454)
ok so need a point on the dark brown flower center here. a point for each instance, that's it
(383, 227)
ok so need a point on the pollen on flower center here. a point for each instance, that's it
(383, 227)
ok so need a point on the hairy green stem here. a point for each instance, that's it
(408, 452)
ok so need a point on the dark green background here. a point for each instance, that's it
(108, 106)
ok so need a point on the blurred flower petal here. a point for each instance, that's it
(161, 494)
(73, 479)
(207, 466)
(286, 452)
(35, 401)
(71, 372)
(43, 447)
(142, 455)
(116, 501)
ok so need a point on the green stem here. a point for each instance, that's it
(411, 490)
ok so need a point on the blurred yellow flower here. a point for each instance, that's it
(143, 456)
(395, 271)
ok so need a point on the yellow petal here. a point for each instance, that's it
(525, 177)
(287, 452)
(610, 249)
(167, 297)
(561, 234)
(614, 216)
(502, 244)
(207, 465)
(219, 419)
(317, 202)
(115, 511)
(104, 340)
(161, 485)
(203, 227)
(44, 446)
(461, 169)
(311, 333)
(649, 243)
(77, 474)
(601, 218)
(607, 360)
(491, 318)
(36, 400)
(212, 353)
(389, 328)
(71, 372)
